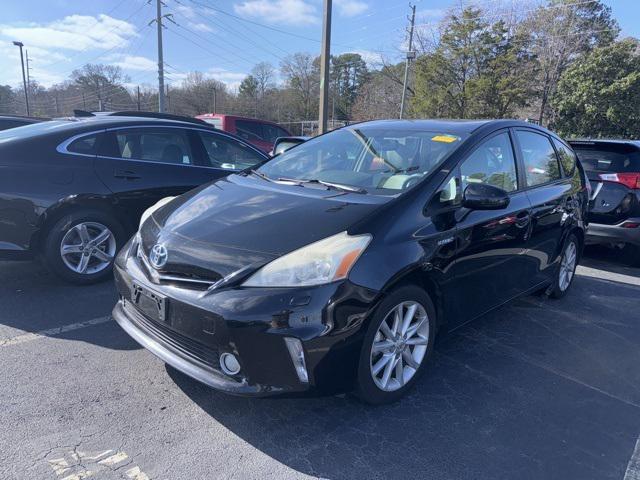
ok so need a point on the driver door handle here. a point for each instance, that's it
(126, 175)
(523, 219)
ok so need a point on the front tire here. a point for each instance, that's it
(81, 246)
(397, 346)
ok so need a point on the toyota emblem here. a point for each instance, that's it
(158, 255)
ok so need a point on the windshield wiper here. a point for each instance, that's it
(261, 175)
(337, 186)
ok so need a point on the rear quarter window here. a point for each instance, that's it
(567, 157)
(85, 145)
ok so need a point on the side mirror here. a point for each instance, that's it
(480, 196)
(282, 144)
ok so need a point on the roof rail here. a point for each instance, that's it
(166, 116)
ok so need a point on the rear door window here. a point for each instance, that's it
(155, 144)
(540, 161)
(249, 130)
(567, 157)
(272, 132)
(227, 153)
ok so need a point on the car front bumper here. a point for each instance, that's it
(252, 324)
(601, 233)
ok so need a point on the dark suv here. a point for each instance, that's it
(613, 169)
(74, 190)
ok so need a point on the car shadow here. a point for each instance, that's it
(34, 300)
(609, 259)
(538, 389)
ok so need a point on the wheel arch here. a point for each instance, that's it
(416, 276)
(74, 203)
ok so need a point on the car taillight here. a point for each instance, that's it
(631, 180)
(630, 225)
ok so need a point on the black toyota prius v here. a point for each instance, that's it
(333, 266)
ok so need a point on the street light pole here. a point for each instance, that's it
(24, 78)
(324, 68)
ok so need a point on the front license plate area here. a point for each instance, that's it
(152, 304)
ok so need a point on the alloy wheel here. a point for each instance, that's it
(88, 248)
(399, 346)
(567, 266)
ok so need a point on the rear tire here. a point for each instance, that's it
(567, 268)
(391, 363)
(81, 246)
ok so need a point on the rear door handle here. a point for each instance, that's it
(126, 174)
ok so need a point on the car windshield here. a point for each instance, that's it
(377, 160)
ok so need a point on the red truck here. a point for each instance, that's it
(260, 133)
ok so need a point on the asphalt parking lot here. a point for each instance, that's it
(539, 389)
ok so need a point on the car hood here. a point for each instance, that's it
(242, 221)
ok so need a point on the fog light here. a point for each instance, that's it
(297, 356)
(229, 364)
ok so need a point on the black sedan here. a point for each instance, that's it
(74, 190)
(337, 262)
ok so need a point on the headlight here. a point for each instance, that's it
(147, 213)
(318, 263)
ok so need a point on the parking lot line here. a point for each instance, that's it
(633, 467)
(52, 332)
(605, 275)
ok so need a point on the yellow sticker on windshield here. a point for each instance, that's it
(445, 138)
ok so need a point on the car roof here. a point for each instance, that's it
(23, 118)
(447, 125)
(235, 117)
(603, 141)
(81, 124)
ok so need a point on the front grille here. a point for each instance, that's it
(184, 280)
(176, 341)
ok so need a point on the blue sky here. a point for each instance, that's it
(213, 36)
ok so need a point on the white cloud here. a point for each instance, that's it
(351, 8)
(231, 79)
(372, 59)
(292, 12)
(186, 11)
(201, 27)
(11, 72)
(132, 62)
(74, 32)
(431, 14)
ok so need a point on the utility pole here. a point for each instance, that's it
(160, 57)
(138, 97)
(215, 91)
(84, 102)
(324, 67)
(410, 56)
(24, 79)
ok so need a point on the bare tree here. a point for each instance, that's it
(557, 33)
(301, 73)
